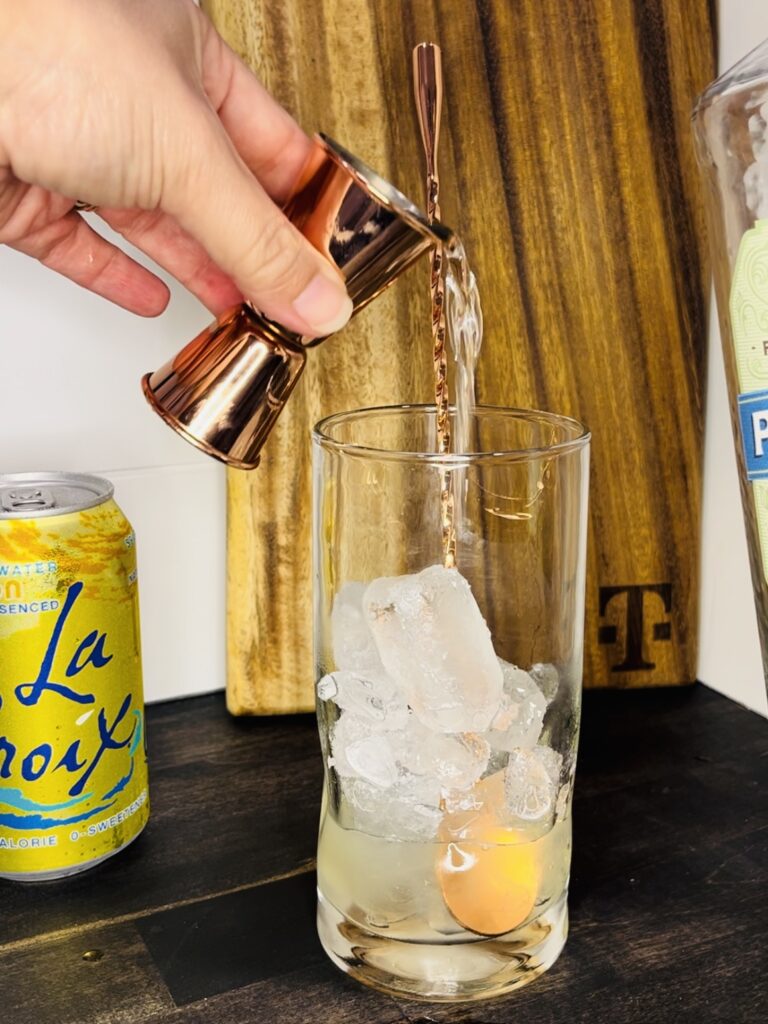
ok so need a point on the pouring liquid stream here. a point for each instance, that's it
(463, 326)
(455, 309)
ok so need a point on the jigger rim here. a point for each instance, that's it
(175, 424)
(573, 435)
(385, 193)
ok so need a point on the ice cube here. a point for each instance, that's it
(327, 688)
(434, 644)
(552, 762)
(471, 814)
(531, 781)
(453, 761)
(363, 800)
(353, 645)
(347, 730)
(547, 678)
(375, 697)
(373, 761)
(456, 761)
(419, 789)
(406, 811)
(412, 821)
(361, 750)
(462, 801)
(497, 761)
(519, 719)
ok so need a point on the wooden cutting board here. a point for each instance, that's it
(567, 166)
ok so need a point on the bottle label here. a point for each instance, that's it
(753, 414)
(749, 326)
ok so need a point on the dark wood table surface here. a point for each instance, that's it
(209, 917)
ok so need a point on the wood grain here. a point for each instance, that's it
(567, 166)
(233, 803)
(208, 918)
(50, 982)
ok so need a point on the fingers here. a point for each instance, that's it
(270, 142)
(161, 238)
(70, 247)
(220, 203)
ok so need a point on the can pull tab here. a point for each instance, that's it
(26, 499)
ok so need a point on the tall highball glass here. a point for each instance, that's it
(448, 697)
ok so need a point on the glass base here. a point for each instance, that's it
(455, 972)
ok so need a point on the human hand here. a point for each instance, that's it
(141, 109)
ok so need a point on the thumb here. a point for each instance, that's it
(224, 207)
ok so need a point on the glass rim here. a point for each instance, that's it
(321, 435)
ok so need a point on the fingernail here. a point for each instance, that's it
(324, 304)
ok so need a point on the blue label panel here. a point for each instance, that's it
(753, 412)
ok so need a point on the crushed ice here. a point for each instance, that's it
(426, 709)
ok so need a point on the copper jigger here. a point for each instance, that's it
(225, 389)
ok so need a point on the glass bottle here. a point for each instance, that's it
(730, 123)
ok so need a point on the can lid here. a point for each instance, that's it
(32, 495)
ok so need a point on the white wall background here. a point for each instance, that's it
(71, 400)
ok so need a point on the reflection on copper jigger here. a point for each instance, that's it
(225, 389)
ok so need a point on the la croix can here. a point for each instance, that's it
(73, 766)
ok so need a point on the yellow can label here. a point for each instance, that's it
(73, 769)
